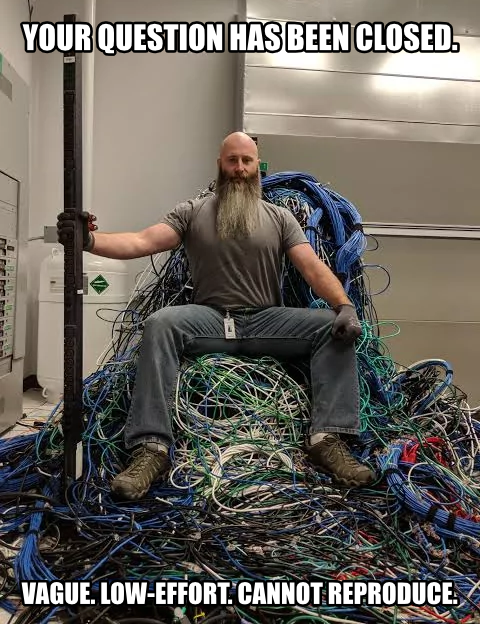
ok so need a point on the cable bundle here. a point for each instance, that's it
(242, 501)
(332, 225)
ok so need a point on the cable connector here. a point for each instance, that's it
(181, 616)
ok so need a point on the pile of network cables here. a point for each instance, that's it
(242, 502)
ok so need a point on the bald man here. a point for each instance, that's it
(236, 243)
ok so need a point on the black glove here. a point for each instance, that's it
(66, 228)
(346, 326)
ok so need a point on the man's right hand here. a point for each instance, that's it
(66, 227)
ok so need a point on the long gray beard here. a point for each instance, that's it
(237, 211)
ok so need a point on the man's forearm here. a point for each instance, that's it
(327, 286)
(121, 246)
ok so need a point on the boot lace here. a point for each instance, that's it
(338, 450)
(143, 458)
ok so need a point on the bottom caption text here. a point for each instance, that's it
(242, 593)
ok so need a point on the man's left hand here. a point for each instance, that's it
(346, 326)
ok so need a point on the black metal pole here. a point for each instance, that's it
(72, 422)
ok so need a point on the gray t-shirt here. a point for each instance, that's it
(232, 274)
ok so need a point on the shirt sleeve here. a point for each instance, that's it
(179, 218)
(292, 231)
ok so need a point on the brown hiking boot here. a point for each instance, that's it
(331, 455)
(146, 466)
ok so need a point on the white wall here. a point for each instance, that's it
(12, 12)
(159, 118)
(158, 122)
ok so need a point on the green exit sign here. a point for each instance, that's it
(264, 166)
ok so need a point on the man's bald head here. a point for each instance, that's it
(238, 142)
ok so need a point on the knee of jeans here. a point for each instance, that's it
(165, 318)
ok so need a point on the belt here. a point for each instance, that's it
(240, 310)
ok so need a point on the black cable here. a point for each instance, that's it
(154, 267)
(220, 618)
(10, 495)
(136, 620)
(84, 612)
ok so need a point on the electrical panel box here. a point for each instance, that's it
(14, 150)
(8, 269)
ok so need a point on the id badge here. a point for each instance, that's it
(229, 324)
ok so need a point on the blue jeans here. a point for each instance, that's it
(280, 332)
